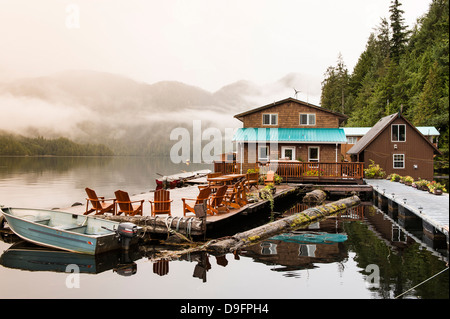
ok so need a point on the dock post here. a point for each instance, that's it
(408, 219)
(433, 237)
(392, 209)
(200, 212)
(382, 202)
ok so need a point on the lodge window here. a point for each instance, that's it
(313, 154)
(352, 139)
(263, 153)
(398, 133)
(307, 119)
(270, 119)
(399, 160)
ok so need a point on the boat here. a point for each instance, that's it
(70, 232)
(177, 180)
(311, 238)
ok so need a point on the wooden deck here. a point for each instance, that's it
(433, 209)
(177, 194)
(343, 172)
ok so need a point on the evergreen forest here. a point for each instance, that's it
(16, 145)
(402, 69)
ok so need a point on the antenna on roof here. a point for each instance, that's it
(296, 92)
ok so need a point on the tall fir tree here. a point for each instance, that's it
(399, 31)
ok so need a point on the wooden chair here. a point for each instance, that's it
(217, 202)
(231, 198)
(269, 178)
(252, 180)
(99, 204)
(126, 205)
(241, 196)
(161, 203)
(203, 195)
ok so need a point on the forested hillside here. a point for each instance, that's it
(15, 145)
(402, 68)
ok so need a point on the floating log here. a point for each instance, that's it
(188, 226)
(240, 240)
(315, 197)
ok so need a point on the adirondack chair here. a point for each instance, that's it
(217, 202)
(241, 197)
(99, 204)
(161, 203)
(232, 196)
(269, 178)
(252, 180)
(126, 205)
(203, 195)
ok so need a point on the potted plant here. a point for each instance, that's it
(436, 188)
(374, 171)
(422, 184)
(395, 177)
(408, 180)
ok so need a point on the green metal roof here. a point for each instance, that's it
(298, 135)
(360, 131)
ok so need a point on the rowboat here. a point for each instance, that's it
(71, 232)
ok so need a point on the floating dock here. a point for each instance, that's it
(412, 205)
(178, 220)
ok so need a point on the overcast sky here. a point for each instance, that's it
(207, 43)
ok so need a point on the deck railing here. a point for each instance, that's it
(290, 171)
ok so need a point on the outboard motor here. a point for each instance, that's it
(126, 232)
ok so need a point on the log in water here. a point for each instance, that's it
(240, 240)
(315, 197)
(189, 226)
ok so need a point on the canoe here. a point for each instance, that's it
(70, 232)
(177, 180)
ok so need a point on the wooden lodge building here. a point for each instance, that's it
(304, 142)
(398, 147)
(296, 139)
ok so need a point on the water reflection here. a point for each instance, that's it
(362, 235)
(26, 256)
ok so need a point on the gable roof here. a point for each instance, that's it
(262, 108)
(376, 130)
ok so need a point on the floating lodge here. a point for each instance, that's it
(305, 146)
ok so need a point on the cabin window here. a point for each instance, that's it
(398, 133)
(352, 139)
(270, 119)
(288, 152)
(399, 160)
(313, 154)
(263, 153)
(307, 119)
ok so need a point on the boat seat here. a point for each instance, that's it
(44, 221)
(75, 228)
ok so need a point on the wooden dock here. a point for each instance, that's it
(431, 209)
(176, 194)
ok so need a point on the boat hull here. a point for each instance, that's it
(50, 229)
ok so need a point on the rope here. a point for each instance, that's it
(178, 223)
(421, 283)
(189, 227)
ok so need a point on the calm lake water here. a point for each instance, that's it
(377, 260)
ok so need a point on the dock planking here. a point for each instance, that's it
(434, 209)
(176, 194)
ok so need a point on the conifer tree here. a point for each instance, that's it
(399, 32)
